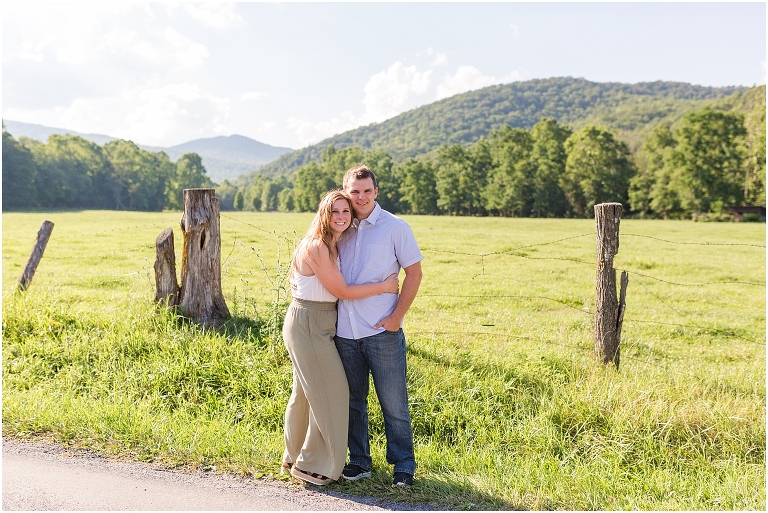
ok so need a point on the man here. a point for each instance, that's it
(369, 335)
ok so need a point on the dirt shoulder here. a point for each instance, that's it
(44, 476)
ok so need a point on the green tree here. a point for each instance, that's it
(239, 200)
(460, 178)
(453, 174)
(710, 159)
(72, 172)
(653, 189)
(189, 174)
(310, 183)
(139, 176)
(548, 155)
(667, 190)
(754, 168)
(269, 196)
(509, 190)
(226, 192)
(19, 175)
(285, 200)
(252, 193)
(418, 189)
(336, 162)
(597, 170)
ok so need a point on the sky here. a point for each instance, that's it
(292, 74)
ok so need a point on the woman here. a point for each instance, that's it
(316, 419)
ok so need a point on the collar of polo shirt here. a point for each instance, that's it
(373, 216)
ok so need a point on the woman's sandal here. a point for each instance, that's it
(285, 468)
(310, 477)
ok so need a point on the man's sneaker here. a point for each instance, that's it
(402, 479)
(354, 472)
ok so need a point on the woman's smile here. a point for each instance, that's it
(341, 215)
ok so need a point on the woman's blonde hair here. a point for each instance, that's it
(320, 228)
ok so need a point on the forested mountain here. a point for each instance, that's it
(631, 109)
(224, 157)
(699, 158)
(227, 157)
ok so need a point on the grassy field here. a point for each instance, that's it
(509, 408)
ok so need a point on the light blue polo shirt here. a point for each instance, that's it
(378, 246)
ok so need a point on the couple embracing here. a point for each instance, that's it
(333, 351)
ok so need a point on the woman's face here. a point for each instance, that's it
(341, 216)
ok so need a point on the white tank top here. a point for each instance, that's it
(310, 288)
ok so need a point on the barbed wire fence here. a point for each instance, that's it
(238, 265)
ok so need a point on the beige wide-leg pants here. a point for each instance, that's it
(316, 419)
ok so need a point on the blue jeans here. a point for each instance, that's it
(383, 355)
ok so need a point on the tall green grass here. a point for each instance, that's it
(509, 408)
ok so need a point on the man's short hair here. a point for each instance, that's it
(359, 173)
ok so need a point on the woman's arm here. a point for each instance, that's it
(330, 277)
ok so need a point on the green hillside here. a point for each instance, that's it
(631, 109)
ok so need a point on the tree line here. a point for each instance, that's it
(711, 160)
(71, 172)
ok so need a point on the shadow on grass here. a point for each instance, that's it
(425, 495)
(465, 362)
(246, 329)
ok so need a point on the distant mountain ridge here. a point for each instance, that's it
(224, 157)
(42, 133)
(631, 109)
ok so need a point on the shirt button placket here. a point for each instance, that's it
(356, 275)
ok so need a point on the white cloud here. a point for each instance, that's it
(392, 92)
(440, 58)
(181, 111)
(388, 93)
(310, 132)
(67, 29)
(98, 36)
(165, 116)
(515, 30)
(119, 38)
(186, 53)
(511, 77)
(31, 51)
(253, 95)
(469, 78)
(214, 14)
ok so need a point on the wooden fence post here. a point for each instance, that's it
(201, 296)
(37, 253)
(167, 289)
(609, 309)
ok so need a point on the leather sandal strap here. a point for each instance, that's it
(313, 474)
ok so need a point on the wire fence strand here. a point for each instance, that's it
(234, 268)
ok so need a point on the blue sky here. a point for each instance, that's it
(291, 74)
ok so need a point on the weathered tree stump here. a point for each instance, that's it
(201, 296)
(167, 288)
(609, 311)
(37, 253)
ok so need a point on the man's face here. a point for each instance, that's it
(363, 194)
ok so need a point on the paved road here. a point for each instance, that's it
(38, 476)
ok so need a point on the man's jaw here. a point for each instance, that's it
(363, 210)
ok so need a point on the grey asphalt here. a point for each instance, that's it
(41, 476)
